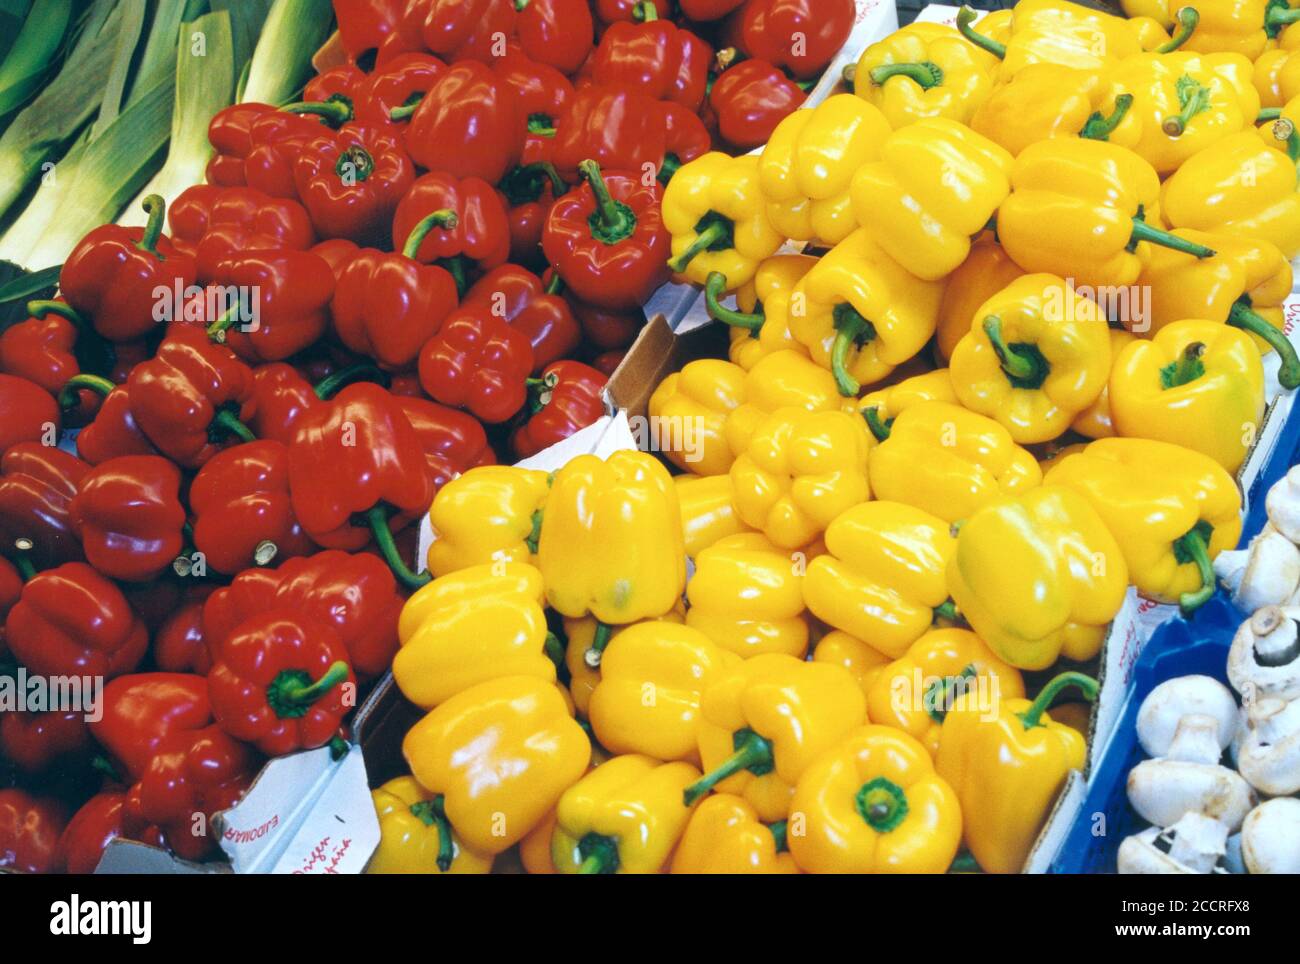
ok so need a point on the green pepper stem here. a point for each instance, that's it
(850, 76)
(541, 125)
(924, 72)
(443, 218)
(599, 640)
(714, 287)
(879, 427)
(1193, 545)
(536, 532)
(330, 385)
(336, 110)
(614, 220)
(752, 753)
(1188, 18)
(377, 518)
(966, 17)
(1013, 363)
(521, 5)
(554, 650)
(1099, 128)
(455, 266)
(706, 239)
(851, 328)
(1144, 232)
(155, 207)
(1268, 114)
(23, 563)
(103, 765)
(229, 318)
(882, 803)
(1285, 131)
(1244, 317)
(228, 422)
(405, 111)
(964, 863)
(645, 11)
(68, 393)
(555, 285)
(336, 674)
(1033, 715)
(947, 610)
(1278, 16)
(780, 833)
(43, 307)
(432, 813)
(1188, 366)
(1195, 102)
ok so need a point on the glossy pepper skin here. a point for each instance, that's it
(480, 233)
(624, 817)
(986, 271)
(179, 645)
(89, 832)
(874, 804)
(623, 131)
(766, 721)
(935, 186)
(675, 662)
(807, 167)
(255, 146)
(783, 379)
(35, 742)
(1197, 384)
(1275, 75)
(655, 57)
(1054, 31)
(29, 832)
(1240, 27)
(478, 362)
(529, 192)
(28, 412)
(882, 578)
(532, 306)
(623, 512)
(1038, 577)
(491, 513)
(463, 29)
(708, 514)
(761, 326)
(499, 755)
(397, 83)
(113, 431)
(129, 516)
(747, 596)
(37, 483)
(281, 681)
(725, 836)
(765, 28)
(213, 223)
(471, 626)
(47, 349)
(952, 461)
(350, 181)
(112, 274)
(71, 621)
(864, 313)
(608, 240)
(293, 291)
(410, 836)
(1036, 355)
(699, 398)
(1008, 770)
(468, 124)
(897, 396)
(453, 441)
(566, 398)
(557, 32)
(750, 99)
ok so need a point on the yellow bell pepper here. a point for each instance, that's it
(411, 825)
(624, 817)
(725, 836)
(490, 513)
(874, 805)
(1247, 27)
(1211, 192)
(865, 663)
(716, 214)
(882, 579)
(765, 721)
(1038, 577)
(1277, 70)
(949, 462)
(648, 698)
(863, 313)
(924, 70)
(470, 626)
(760, 324)
(1184, 102)
(498, 755)
(1171, 510)
(784, 379)
(935, 187)
(1036, 356)
(1095, 421)
(535, 849)
(1008, 769)
(1077, 210)
(1055, 32)
(691, 407)
(801, 470)
(1197, 384)
(1157, 10)
(708, 514)
(747, 596)
(986, 271)
(808, 165)
(1243, 285)
(882, 406)
(915, 692)
(611, 542)
(584, 634)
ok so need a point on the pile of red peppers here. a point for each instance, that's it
(432, 261)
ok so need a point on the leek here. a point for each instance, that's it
(281, 64)
(34, 49)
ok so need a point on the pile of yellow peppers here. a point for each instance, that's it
(1010, 376)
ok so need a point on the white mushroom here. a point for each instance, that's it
(1270, 837)
(1264, 660)
(1168, 703)
(1189, 779)
(1194, 845)
(1268, 753)
(1283, 504)
(1266, 573)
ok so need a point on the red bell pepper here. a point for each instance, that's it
(142, 709)
(620, 130)
(358, 456)
(37, 483)
(565, 399)
(37, 741)
(557, 32)
(52, 346)
(281, 396)
(128, 513)
(355, 595)
(247, 139)
(113, 274)
(350, 181)
(480, 235)
(620, 11)
(543, 94)
(654, 57)
(387, 306)
(459, 30)
(230, 134)
(114, 431)
(215, 223)
(29, 832)
(801, 36)
(705, 10)
(607, 362)
(288, 309)
(27, 413)
(242, 513)
(453, 441)
(401, 83)
(529, 192)
(92, 828)
(365, 26)
(469, 124)
(607, 239)
(685, 139)
(179, 645)
(345, 79)
(72, 621)
(750, 100)
(281, 682)
(11, 588)
(531, 306)
(192, 396)
(478, 362)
